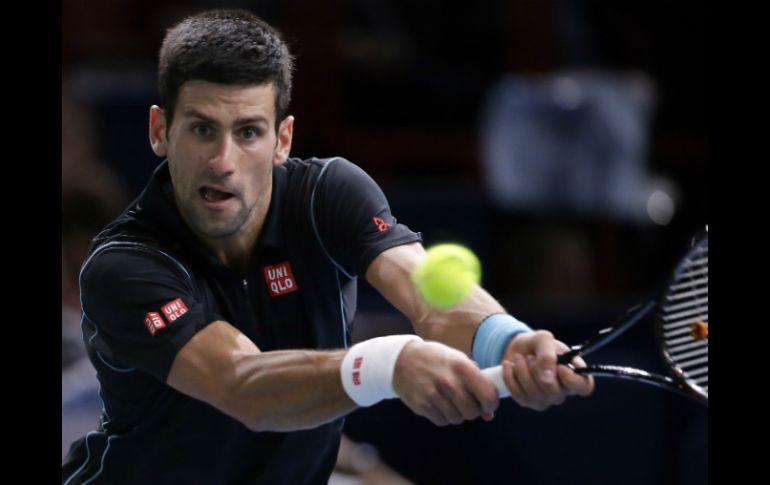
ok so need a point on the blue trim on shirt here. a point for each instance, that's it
(315, 227)
(88, 455)
(329, 256)
(101, 463)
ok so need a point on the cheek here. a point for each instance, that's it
(261, 177)
(181, 176)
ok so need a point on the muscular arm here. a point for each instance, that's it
(533, 354)
(298, 389)
(266, 391)
(390, 273)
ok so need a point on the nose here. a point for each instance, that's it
(222, 161)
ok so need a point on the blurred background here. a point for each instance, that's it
(564, 141)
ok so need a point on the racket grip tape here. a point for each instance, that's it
(496, 374)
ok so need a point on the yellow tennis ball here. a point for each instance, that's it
(447, 275)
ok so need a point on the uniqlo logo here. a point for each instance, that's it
(357, 374)
(174, 309)
(153, 322)
(280, 280)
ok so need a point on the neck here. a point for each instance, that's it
(235, 251)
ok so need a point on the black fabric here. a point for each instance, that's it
(321, 223)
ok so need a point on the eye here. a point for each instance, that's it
(249, 133)
(202, 130)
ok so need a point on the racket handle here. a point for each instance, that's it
(496, 374)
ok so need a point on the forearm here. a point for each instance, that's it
(283, 390)
(267, 391)
(390, 274)
(455, 327)
(288, 390)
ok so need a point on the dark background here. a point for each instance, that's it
(398, 88)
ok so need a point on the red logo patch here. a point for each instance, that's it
(174, 309)
(356, 374)
(153, 322)
(280, 280)
(381, 225)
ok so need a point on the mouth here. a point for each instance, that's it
(214, 197)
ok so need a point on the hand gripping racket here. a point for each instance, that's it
(681, 328)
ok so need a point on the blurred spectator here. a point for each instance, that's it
(91, 197)
(569, 143)
(360, 464)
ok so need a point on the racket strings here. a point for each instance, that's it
(686, 307)
(702, 297)
(690, 296)
(675, 349)
(683, 328)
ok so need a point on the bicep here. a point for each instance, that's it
(353, 217)
(140, 309)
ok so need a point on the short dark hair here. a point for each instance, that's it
(227, 47)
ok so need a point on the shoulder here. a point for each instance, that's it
(315, 169)
(312, 182)
(124, 261)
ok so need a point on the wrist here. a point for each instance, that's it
(493, 336)
(367, 368)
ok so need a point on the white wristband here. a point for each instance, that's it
(367, 369)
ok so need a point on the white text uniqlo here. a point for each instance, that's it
(153, 322)
(174, 309)
(280, 279)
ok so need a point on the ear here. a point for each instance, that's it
(283, 143)
(158, 140)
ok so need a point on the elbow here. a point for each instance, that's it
(255, 425)
(254, 420)
(245, 413)
(260, 422)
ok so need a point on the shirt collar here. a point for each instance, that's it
(272, 230)
(158, 203)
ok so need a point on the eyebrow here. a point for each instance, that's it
(239, 122)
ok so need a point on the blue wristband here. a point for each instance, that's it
(492, 336)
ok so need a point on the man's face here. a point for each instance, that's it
(221, 147)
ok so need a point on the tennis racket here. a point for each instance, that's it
(681, 329)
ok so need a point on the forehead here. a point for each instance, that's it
(224, 101)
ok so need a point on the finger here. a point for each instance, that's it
(517, 393)
(550, 394)
(483, 391)
(561, 347)
(578, 361)
(531, 393)
(544, 348)
(467, 405)
(580, 384)
(428, 410)
(444, 406)
(545, 367)
(534, 375)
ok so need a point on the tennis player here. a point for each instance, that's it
(217, 306)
